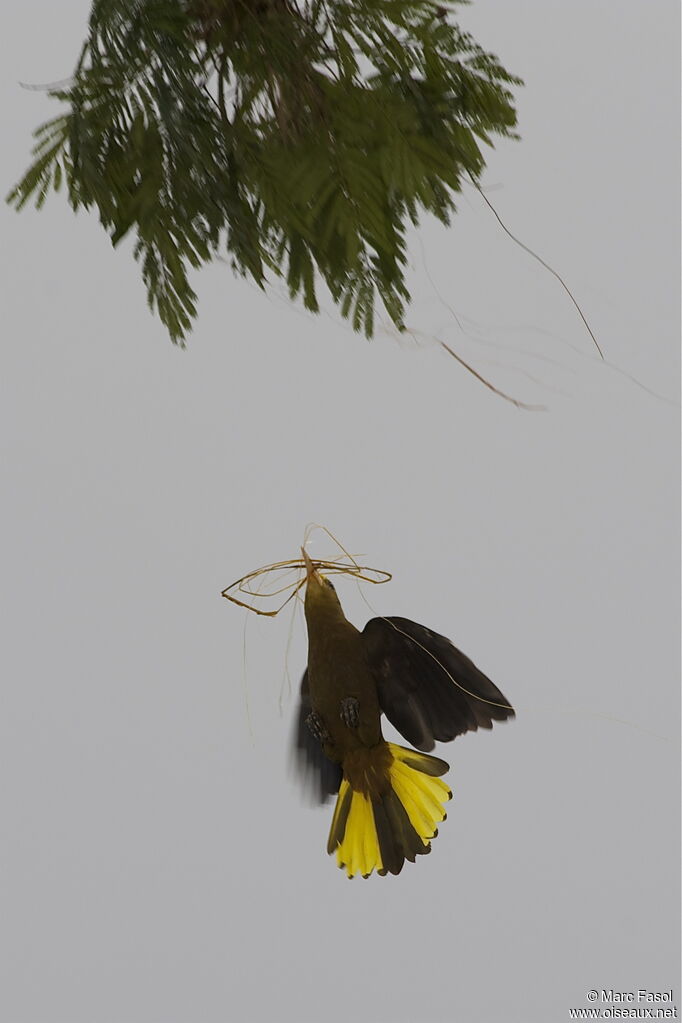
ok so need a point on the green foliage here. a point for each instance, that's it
(300, 136)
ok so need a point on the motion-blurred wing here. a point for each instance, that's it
(320, 776)
(421, 681)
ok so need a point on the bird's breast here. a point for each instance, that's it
(338, 672)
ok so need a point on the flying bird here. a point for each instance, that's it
(390, 798)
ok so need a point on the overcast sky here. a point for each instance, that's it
(158, 863)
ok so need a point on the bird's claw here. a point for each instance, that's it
(317, 727)
(350, 712)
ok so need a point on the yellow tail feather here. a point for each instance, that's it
(359, 850)
(378, 830)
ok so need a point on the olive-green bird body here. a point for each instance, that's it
(390, 798)
(338, 671)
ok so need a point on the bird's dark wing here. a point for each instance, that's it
(421, 681)
(320, 776)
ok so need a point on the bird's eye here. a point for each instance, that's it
(330, 585)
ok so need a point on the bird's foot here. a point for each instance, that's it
(317, 727)
(350, 712)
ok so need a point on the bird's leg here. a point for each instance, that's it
(350, 712)
(317, 727)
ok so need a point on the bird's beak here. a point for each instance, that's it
(309, 567)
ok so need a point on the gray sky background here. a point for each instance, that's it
(158, 864)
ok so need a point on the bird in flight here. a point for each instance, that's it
(390, 798)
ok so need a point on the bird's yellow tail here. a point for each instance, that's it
(387, 810)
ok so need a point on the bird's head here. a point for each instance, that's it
(321, 600)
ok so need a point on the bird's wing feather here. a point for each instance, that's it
(320, 776)
(427, 688)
